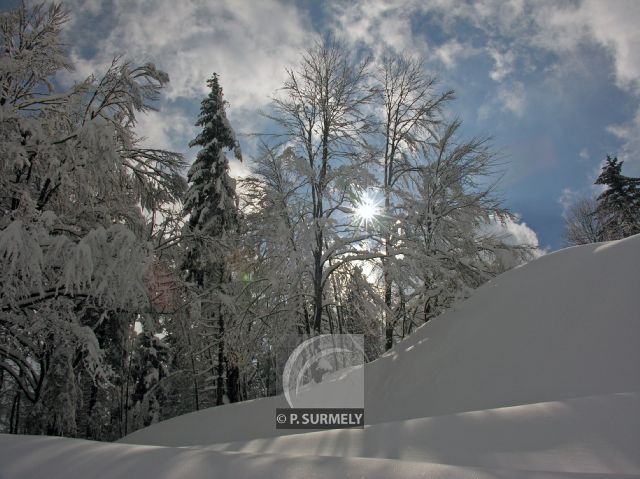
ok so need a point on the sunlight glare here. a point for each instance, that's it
(367, 209)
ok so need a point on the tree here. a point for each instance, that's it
(447, 220)
(322, 114)
(97, 257)
(619, 203)
(277, 240)
(432, 240)
(76, 186)
(583, 223)
(411, 110)
(212, 209)
(148, 369)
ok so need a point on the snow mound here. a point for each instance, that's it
(537, 375)
(75, 458)
(563, 326)
(595, 435)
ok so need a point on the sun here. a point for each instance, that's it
(366, 209)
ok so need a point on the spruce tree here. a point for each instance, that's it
(619, 204)
(212, 207)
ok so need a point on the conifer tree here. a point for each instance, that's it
(619, 204)
(211, 205)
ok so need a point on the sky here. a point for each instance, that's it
(556, 84)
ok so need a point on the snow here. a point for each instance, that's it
(595, 434)
(536, 375)
(64, 458)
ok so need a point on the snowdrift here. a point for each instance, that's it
(565, 325)
(536, 375)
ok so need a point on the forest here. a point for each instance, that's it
(136, 287)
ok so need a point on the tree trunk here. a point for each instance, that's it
(126, 393)
(220, 389)
(93, 399)
(317, 293)
(15, 414)
(196, 392)
(233, 382)
(389, 323)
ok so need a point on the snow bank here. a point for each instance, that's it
(58, 458)
(597, 434)
(565, 325)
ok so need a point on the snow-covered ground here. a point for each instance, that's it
(537, 375)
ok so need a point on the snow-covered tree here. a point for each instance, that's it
(76, 184)
(411, 110)
(149, 367)
(619, 204)
(212, 224)
(381, 184)
(446, 242)
(364, 213)
(275, 234)
(322, 111)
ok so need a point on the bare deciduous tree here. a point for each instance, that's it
(411, 109)
(583, 223)
(322, 110)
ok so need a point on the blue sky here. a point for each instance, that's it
(556, 84)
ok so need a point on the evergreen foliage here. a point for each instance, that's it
(619, 204)
(212, 225)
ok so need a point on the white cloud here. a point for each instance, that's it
(164, 129)
(503, 63)
(509, 98)
(564, 29)
(629, 133)
(513, 98)
(567, 198)
(247, 43)
(451, 52)
(515, 232)
(379, 25)
(519, 233)
(559, 27)
(613, 25)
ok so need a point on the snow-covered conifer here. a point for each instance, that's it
(619, 204)
(212, 209)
